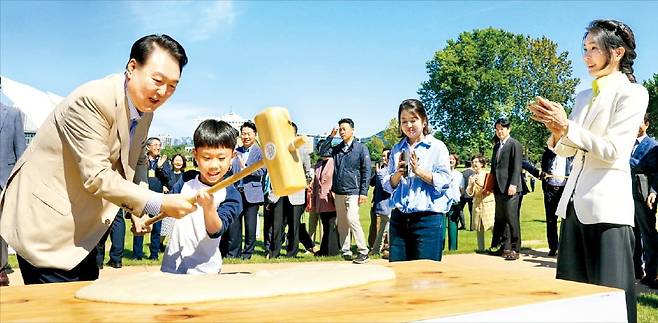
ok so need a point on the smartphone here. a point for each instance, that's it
(406, 156)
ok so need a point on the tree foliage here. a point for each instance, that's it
(375, 148)
(391, 133)
(652, 86)
(487, 74)
(170, 151)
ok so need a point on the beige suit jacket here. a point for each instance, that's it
(66, 189)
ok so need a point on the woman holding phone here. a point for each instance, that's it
(419, 187)
(596, 237)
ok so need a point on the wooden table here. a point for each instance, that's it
(460, 285)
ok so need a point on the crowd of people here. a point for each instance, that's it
(86, 171)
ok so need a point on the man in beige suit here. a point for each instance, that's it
(66, 189)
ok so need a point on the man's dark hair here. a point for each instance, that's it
(249, 124)
(646, 118)
(144, 46)
(503, 122)
(215, 134)
(346, 120)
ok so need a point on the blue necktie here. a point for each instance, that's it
(133, 126)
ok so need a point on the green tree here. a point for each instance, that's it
(652, 110)
(375, 147)
(487, 74)
(391, 133)
(170, 151)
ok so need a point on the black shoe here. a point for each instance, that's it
(646, 280)
(361, 259)
(246, 257)
(462, 228)
(653, 284)
(114, 264)
(153, 258)
(163, 247)
(552, 253)
(498, 252)
(100, 266)
(137, 258)
(347, 257)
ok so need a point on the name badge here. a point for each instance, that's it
(151, 173)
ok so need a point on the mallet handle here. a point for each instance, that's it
(222, 184)
(297, 143)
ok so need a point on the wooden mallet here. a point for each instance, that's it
(280, 156)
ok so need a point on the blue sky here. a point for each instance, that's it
(321, 60)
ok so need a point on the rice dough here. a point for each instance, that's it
(166, 288)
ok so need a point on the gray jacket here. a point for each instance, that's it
(12, 140)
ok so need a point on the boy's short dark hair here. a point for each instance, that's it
(503, 122)
(346, 120)
(249, 124)
(216, 134)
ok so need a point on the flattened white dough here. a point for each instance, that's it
(166, 288)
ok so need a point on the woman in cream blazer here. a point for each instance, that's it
(596, 238)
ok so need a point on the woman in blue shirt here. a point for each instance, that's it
(420, 188)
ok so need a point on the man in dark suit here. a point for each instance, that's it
(506, 172)
(12, 146)
(649, 165)
(554, 173)
(251, 189)
(646, 241)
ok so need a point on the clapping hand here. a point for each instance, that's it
(551, 114)
(162, 160)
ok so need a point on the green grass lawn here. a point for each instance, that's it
(533, 234)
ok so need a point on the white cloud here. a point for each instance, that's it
(178, 119)
(194, 20)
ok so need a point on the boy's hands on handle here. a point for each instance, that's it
(204, 199)
(139, 227)
(177, 205)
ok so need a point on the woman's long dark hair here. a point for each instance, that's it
(611, 34)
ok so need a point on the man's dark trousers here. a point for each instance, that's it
(506, 215)
(117, 233)
(552, 196)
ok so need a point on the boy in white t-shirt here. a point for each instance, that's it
(194, 240)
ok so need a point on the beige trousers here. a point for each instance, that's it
(347, 220)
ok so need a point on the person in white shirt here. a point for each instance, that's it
(194, 241)
(596, 240)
